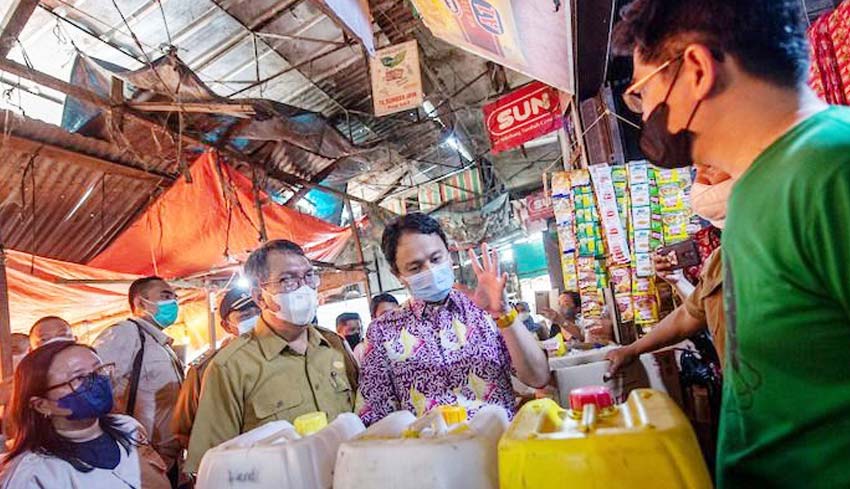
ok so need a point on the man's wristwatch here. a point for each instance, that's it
(507, 319)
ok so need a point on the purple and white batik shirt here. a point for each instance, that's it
(421, 356)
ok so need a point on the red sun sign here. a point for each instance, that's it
(523, 115)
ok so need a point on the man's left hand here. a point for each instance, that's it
(489, 295)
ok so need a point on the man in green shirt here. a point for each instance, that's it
(722, 83)
(285, 368)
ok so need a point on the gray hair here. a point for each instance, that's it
(257, 267)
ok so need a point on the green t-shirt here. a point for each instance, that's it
(785, 419)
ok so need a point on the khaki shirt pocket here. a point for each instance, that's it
(272, 404)
(342, 390)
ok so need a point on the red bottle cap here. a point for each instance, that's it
(598, 395)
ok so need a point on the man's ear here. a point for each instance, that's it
(260, 300)
(138, 305)
(705, 69)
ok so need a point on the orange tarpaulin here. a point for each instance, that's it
(41, 293)
(191, 226)
(41, 287)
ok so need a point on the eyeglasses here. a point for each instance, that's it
(632, 96)
(290, 284)
(81, 380)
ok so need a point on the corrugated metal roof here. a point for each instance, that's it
(56, 204)
(232, 43)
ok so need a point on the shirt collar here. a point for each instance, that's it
(156, 333)
(272, 345)
(454, 303)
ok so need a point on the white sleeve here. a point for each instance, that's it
(24, 473)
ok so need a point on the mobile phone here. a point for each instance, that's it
(682, 255)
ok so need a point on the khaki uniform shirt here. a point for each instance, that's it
(190, 393)
(258, 378)
(706, 303)
(159, 381)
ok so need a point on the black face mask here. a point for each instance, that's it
(353, 339)
(659, 145)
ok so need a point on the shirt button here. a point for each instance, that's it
(279, 403)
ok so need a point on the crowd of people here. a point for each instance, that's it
(92, 413)
(721, 86)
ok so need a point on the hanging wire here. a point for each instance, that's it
(610, 33)
(806, 13)
(142, 49)
(164, 22)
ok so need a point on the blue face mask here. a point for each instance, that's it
(432, 285)
(166, 312)
(92, 400)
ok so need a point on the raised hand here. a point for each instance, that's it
(489, 295)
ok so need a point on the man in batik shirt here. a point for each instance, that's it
(444, 346)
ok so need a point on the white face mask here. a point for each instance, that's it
(433, 284)
(247, 325)
(297, 307)
(709, 201)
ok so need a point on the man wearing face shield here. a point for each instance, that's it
(284, 368)
(723, 84)
(239, 315)
(148, 373)
(444, 346)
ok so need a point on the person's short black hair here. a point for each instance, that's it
(45, 319)
(767, 37)
(257, 265)
(575, 297)
(139, 286)
(415, 222)
(380, 299)
(347, 316)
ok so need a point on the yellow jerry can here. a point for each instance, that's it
(646, 442)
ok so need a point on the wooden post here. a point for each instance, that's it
(359, 247)
(211, 314)
(5, 322)
(378, 275)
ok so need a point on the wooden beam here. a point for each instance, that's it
(240, 110)
(358, 246)
(5, 321)
(14, 22)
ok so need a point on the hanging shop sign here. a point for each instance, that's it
(531, 37)
(522, 116)
(539, 206)
(396, 79)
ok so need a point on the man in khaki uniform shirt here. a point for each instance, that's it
(706, 302)
(285, 368)
(239, 315)
(154, 305)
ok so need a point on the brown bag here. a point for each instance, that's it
(152, 469)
